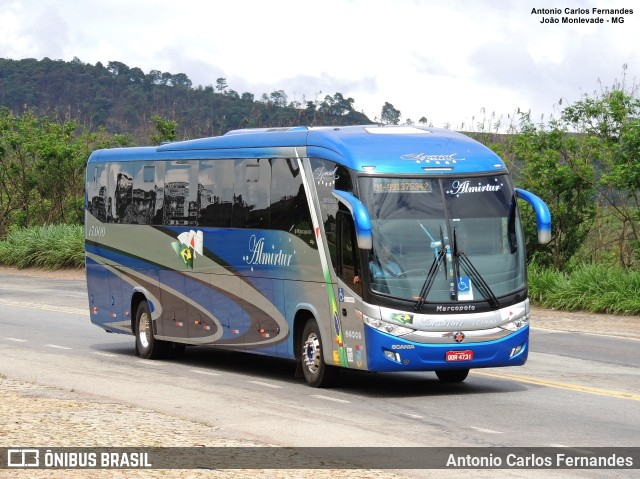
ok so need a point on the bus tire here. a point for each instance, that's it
(314, 368)
(147, 346)
(452, 376)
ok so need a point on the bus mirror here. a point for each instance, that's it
(543, 217)
(361, 218)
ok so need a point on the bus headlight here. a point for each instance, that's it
(385, 327)
(519, 321)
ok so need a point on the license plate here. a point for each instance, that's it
(459, 355)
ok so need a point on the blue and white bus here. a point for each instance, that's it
(377, 248)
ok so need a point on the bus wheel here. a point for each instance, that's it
(147, 345)
(316, 372)
(452, 376)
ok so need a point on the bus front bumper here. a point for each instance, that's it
(392, 353)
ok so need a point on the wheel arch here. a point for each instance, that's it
(304, 313)
(137, 298)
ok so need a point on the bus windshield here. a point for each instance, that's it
(444, 240)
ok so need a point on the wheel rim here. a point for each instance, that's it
(312, 353)
(144, 330)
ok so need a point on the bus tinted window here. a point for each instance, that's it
(215, 193)
(289, 207)
(97, 193)
(327, 176)
(119, 202)
(144, 195)
(180, 193)
(257, 186)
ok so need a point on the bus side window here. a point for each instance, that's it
(289, 209)
(348, 265)
(180, 200)
(215, 193)
(120, 200)
(144, 195)
(342, 179)
(97, 193)
(257, 193)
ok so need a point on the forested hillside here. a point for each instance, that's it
(124, 99)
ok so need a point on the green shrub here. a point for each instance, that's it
(47, 247)
(592, 288)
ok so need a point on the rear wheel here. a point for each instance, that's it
(316, 372)
(147, 345)
(452, 376)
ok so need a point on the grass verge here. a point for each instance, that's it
(592, 288)
(47, 247)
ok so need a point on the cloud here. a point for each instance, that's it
(442, 60)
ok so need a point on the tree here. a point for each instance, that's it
(611, 121)
(42, 163)
(117, 68)
(279, 98)
(166, 78)
(558, 167)
(181, 80)
(336, 105)
(165, 130)
(221, 84)
(390, 115)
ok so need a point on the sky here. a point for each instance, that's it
(461, 64)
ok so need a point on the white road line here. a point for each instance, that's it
(45, 307)
(55, 346)
(16, 340)
(206, 373)
(327, 398)
(557, 445)
(145, 362)
(488, 431)
(414, 416)
(106, 355)
(267, 385)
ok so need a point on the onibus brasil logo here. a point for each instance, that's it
(189, 243)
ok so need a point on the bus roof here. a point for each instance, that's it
(372, 148)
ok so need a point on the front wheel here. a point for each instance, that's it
(316, 372)
(452, 376)
(147, 346)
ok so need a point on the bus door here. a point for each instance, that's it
(349, 292)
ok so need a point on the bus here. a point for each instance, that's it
(375, 248)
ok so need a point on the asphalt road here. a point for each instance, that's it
(576, 391)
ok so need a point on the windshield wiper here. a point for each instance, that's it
(473, 273)
(431, 276)
(440, 256)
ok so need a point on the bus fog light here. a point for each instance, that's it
(393, 356)
(516, 350)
